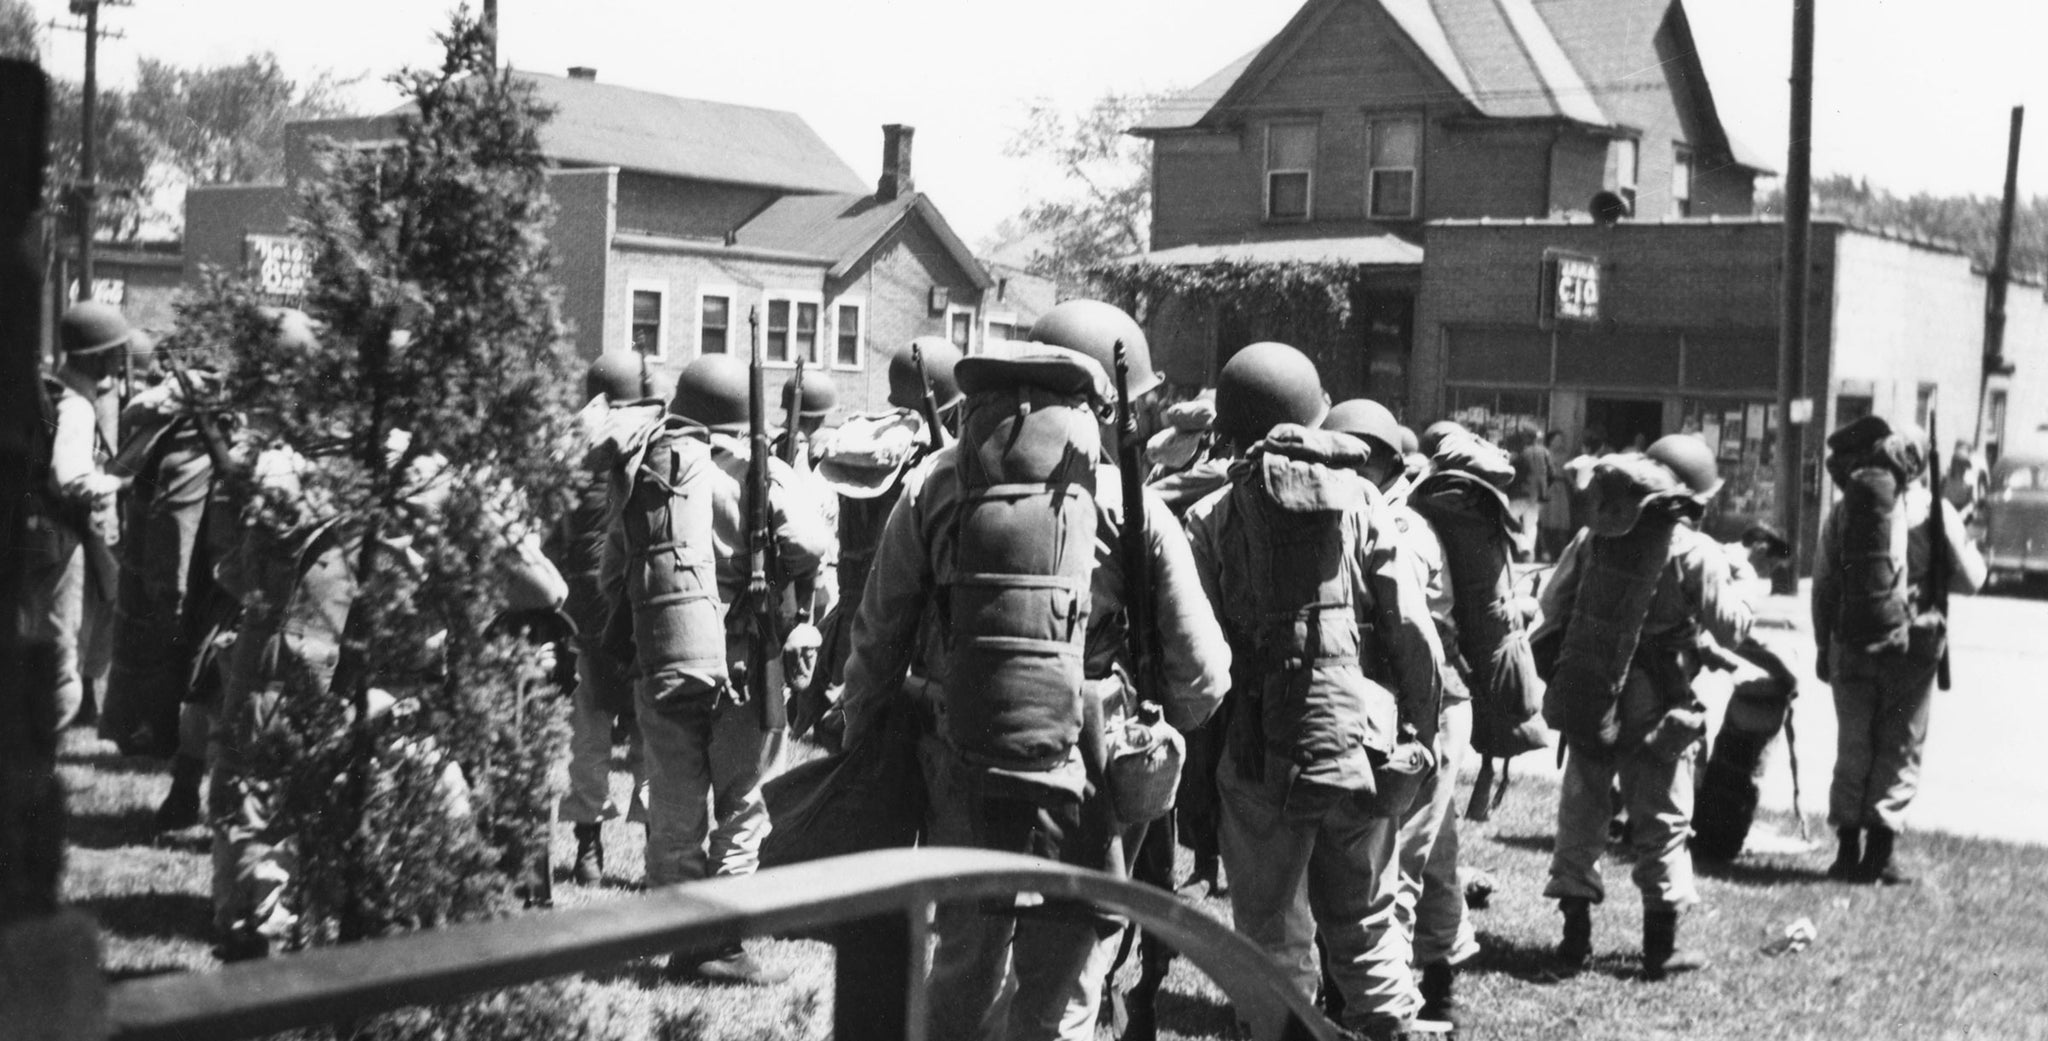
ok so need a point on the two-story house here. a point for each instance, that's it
(1360, 121)
(680, 220)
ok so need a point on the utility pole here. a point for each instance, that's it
(491, 29)
(86, 191)
(1792, 303)
(1995, 280)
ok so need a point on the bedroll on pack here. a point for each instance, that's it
(1306, 510)
(1873, 614)
(678, 624)
(1725, 806)
(1469, 515)
(1016, 609)
(1638, 503)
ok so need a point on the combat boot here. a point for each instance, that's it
(1877, 867)
(1849, 859)
(1576, 948)
(1439, 1001)
(180, 808)
(1661, 955)
(589, 869)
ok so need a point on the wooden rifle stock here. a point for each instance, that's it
(763, 643)
(1137, 559)
(1937, 544)
(216, 443)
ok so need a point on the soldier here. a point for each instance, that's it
(622, 406)
(1327, 742)
(70, 585)
(904, 647)
(1880, 638)
(1621, 621)
(1431, 906)
(707, 750)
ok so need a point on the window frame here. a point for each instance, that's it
(1308, 174)
(795, 298)
(1628, 177)
(1682, 161)
(1005, 318)
(956, 311)
(860, 343)
(660, 288)
(1373, 171)
(731, 296)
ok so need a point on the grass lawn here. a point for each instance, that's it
(1962, 955)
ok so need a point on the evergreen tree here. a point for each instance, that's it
(434, 419)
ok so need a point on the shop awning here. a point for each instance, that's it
(1366, 250)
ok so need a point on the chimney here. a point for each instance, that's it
(895, 162)
(583, 72)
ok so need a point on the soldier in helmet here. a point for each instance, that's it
(1327, 742)
(621, 406)
(72, 573)
(706, 751)
(903, 657)
(1622, 617)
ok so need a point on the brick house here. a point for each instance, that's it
(1339, 139)
(679, 218)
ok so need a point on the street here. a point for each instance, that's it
(1979, 778)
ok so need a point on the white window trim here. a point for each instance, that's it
(1308, 200)
(1682, 158)
(795, 297)
(994, 318)
(957, 309)
(735, 342)
(661, 337)
(860, 347)
(1414, 172)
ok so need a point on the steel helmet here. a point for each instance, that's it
(1367, 420)
(1093, 328)
(89, 327)
(1410, 444)
(619, 376)
(1265, 385)
(939, 358)
(1435, 434)
(291, 330)
(820, 396)
(713, 390)
(1688, 457)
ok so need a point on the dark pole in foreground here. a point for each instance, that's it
(88, 172)
(1792, 301)
(2001, 272)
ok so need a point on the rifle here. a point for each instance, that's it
(1137, 561)
(793, 415)
(762, 640)
(216, 444)
(1937, 543)
(927, 404)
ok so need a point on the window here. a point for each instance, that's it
(1396, 154)
(649, 310)
(1290, 158)
(1626, 158)
(960, 328)
(792, 332)
(714, 323)
(1002, 331)
(1681, 183)
(1923, 404)
(846, 331)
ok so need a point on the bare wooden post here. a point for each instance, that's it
(878, 977)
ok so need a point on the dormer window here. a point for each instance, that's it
(1290, 167)
(1396, 158)
(1681, 182)
(1622, 151)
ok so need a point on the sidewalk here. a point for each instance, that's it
(1980, 776)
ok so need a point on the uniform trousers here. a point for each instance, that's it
(60, 608)
(1432, 903)
(1881, 706)
(1337, 874)
(705, 763)
(588, 797)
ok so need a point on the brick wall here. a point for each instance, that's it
(895, 284)
(581, 236)
(686, 208)
(218, 216)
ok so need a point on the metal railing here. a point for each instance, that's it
(874, 907)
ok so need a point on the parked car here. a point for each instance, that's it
(2016, 518)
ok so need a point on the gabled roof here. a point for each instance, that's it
(600, 124)
(844, 228)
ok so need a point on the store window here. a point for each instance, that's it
(1495, 414)
(1290, 169)
(1743, 433)
(1681, 182)
(1396, 158)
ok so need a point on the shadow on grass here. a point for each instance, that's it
(1760, 873)
(116, 763)
(162, 916)
(135, 826)
(1194, 1015)
(1534, 963)
(137, 972)
(1540, 842)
